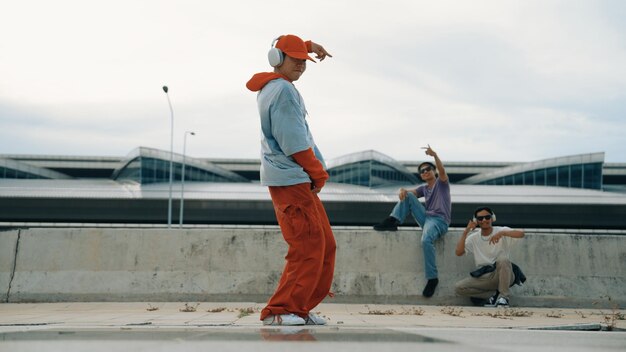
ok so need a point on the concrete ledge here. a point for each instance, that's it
(244, 264)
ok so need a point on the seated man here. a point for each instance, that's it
(491, 247)
(433, 218)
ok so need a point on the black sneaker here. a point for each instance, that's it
(478, 302)
(491, 301)
(389, 224)
(429, 290)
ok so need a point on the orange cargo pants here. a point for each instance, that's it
(308, 273)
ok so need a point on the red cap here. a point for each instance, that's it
(293, 46)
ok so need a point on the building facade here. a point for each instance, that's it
(570, 191)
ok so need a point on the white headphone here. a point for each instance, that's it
(275, 55)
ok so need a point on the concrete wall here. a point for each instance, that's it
(8, 241)
(244, 264)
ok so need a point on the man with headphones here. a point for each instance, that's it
(294, 170)
(491, 245)
(433, 218)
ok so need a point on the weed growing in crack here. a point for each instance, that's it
(582, 314)
(217, 310)
(244, 312)
(611, 318)
(189, 308)
(455, 312)
(555, 314)
(380, 312)
(506, 313)
(412, 311)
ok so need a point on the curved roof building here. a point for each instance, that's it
(363, 187)
(148, 165)
(369, 168)
(14, 169)
(575, 171)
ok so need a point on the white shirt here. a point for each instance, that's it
(486, 253)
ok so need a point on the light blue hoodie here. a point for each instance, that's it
(284, 131)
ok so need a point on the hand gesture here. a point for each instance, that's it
(402, 193)
(320, 52)
(496, 238)
(471, 225)
(429, 151)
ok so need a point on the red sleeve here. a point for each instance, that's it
(312, 166)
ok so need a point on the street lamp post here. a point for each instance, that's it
(182, 180)
(169, 201)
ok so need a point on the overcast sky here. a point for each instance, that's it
(477, 80)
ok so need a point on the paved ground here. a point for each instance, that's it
(235, 326)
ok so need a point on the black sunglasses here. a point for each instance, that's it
(484, 217)
(425, 170)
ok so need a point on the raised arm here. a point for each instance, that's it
(460, 246)
(320, 52)
(443, 176)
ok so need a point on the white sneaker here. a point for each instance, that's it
(284, 319)
(502, 302)
(314, 319)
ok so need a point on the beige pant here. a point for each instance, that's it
(486, 285)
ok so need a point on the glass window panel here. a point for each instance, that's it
(551, 176)
(563, 176)
(592, 174)
(576, 176)
(529, 178)
(540, 177)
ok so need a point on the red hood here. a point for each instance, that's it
(259, 80)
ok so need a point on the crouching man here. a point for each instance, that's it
(491, 246)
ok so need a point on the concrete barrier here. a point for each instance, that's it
(244, 264)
